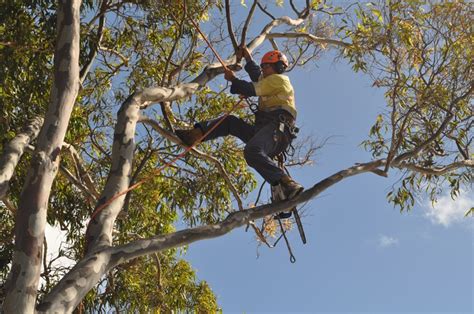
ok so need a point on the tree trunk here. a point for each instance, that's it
(31, 216)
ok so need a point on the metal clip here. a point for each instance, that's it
(281, 127)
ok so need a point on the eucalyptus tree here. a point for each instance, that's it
(74, 158)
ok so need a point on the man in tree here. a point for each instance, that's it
(273, 130)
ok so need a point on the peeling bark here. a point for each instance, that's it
(14, 150)
(31, 215)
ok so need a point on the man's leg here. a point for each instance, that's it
(258, 150)
(231, 125)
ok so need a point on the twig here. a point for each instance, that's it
(247, 23)
(229, 26)
(264, 10)
(158, 269)
(94, 46)
(118, 54)
(9, 205)
(71, 178)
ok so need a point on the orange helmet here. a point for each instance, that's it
(273, 57)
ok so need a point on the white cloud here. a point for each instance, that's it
(385, 241)
(447, 211)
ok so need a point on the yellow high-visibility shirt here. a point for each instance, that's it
(275, 92)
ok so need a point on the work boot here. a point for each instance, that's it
(189, 137)
(290, 187)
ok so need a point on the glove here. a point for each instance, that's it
(229, 75)
(243, 52)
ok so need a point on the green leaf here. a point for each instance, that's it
(470, 212)
(378, 14)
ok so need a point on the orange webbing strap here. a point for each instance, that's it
(154, 173)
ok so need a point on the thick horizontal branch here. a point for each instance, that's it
(141, 247)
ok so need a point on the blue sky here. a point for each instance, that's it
(362, 254)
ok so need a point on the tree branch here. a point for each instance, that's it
(84, 175)
(229, 26)
(8, 204)
(247, 23)
(440, 130)
(123, 253)
(264, 10)
(310, 37)
(91, 198)
(438, 171)
(118, 54)
(14, 150)
(94, 46)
